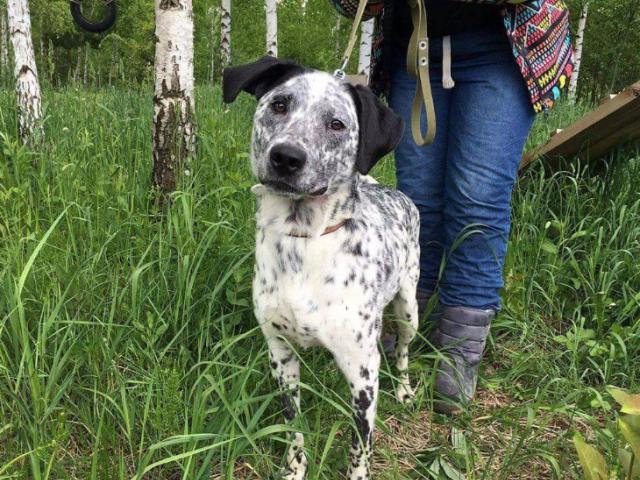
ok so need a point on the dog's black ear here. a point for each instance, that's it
(257, 78)
(380, 128)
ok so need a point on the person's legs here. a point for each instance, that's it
(489, 121)
(420, 171)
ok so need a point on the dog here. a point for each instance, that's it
(333, 247)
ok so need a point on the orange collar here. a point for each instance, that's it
(327, 230)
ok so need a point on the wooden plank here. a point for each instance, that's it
(607, 98)
(615, 122)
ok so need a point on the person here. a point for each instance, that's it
(492, 66)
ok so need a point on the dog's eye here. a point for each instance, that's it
(337, 125)
(279, 106)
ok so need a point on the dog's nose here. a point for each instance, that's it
(287, 159)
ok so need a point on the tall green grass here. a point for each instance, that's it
(128, 347)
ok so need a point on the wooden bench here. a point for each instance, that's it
(615, 122)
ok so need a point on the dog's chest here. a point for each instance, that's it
(315, 290)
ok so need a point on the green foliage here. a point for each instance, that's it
(593, 462)
(127, 343)
(610, 59)
(125, 54)
(311, 35)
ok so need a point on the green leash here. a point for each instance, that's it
(417, 66)
(352, 39)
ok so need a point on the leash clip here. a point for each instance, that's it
(339, 74)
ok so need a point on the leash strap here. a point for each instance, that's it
(352, 39)
(418, 66)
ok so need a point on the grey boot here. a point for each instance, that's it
(461, 335)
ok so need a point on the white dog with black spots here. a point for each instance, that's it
(333, 247)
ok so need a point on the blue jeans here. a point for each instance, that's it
(462, 183)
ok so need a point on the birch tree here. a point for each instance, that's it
(26, 73)
(174, 106)
(582, 23)
(4, 48)
(336, 31)
(272, 27)
(225, 33)
(366, 38)
(114, 61)
(85, 71)
(78, 68)
(213, 12)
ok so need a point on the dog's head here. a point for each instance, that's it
(312, 132)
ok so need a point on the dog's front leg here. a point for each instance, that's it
(406, 308)
(361, 369)
(286, 370)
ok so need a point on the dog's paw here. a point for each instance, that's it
(404, 393)
(296, 465)
(289, 475)
(358, 473)
(295, 473)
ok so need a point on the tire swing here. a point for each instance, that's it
(93, 26)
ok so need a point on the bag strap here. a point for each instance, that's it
(418, 66)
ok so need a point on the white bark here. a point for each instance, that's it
(78, 69)
(4, 50)
(337, 33)
(26, 73)
(366, 38)
(114, 61)
(174, 106)
(225, 32)
(582, 23)
(272, 27)
(85, 73)
(213, 13)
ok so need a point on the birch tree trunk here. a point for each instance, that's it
(26, 73)
(337, 34)
(582, 23)
(114, 60)
(213, 13)
(174, 106)
(4, 50)
(78, 69)
(272, 27)
(366, 37)
(85, 73)
(225, 33)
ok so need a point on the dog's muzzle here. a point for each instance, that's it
(287, 160)
(286, 164)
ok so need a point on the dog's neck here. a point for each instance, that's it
(305, 216)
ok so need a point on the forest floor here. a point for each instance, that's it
(128, 346)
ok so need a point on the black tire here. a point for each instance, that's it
(94, 27)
